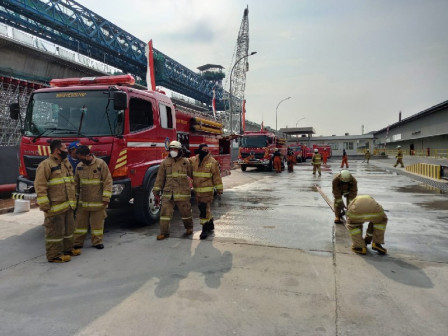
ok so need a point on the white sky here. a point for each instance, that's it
(345, 63)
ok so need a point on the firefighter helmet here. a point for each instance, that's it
(345, 176)
(316, 150)
(398, 147)
(175, 144)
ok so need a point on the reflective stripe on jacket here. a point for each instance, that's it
(93, 184)
(55, 186)
(365, 209)
(348, 188)
(172, 179)
(317, 159)
(206, 176)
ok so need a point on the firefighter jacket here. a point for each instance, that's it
(317, 159)
(400, 154)
(93, 184)
(172, 179)
(365, 209)
(206, 176)
(55, 186)
(349, 189)
(367, 155)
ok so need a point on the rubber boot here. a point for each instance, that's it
(73, 252)
(61, 259)
(379, 248)
(163, 236)
(368, 239)
(205, 230)
(337, 220)
(359, 250)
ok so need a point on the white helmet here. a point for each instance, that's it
(345, 176)
(175, 144)
(316, 150)
(398, 147)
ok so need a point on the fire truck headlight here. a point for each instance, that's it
(22, 187)
(117, 189)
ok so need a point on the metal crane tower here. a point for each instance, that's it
(238, 68)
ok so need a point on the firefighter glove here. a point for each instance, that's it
(156, 199)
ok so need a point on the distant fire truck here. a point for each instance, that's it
(257, 149)
(128, 128)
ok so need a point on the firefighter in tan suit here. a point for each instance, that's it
(316, 161)
(94, 188)
(206, 178)
(55, 188)
(399, 157)
(344, 184)
(172, 181)
(365, 209)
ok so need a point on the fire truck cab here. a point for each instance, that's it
(128, 128)
(256, 149)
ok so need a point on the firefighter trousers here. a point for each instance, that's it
(166, 214)
(375, 229)
(277, 164)
(344, 162)
(316, 167)
(59, 234)
(205, 214)
(92, 219)
(399, 161)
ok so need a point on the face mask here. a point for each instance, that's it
(63, 154)
(202, 153)
(173, 154)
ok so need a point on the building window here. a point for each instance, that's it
(348, 145)
(334, 146)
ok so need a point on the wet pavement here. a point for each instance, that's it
(275, 265)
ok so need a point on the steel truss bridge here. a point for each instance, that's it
(73, 26)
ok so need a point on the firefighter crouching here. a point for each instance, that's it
(206, 178)
(316, 161)
(94, 188)
(172, 181)
(55, 188)
(365, 209)
(344, 184)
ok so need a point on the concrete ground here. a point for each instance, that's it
(276, 265)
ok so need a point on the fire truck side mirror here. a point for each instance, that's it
(120, 100)
(14, 111)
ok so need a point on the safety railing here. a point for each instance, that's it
(425, 169)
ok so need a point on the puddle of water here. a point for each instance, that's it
(254, 207)
(420, 189)
(435, 205)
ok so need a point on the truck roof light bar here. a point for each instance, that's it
(103, 80)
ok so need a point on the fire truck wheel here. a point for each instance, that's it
(243, 167)
(145, 211)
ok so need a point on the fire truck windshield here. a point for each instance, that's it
(65, 113)
(253, 141)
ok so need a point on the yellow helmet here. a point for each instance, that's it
(175, 144)
(345, 176)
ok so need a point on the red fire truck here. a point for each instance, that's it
(128, 128)
(257, 149)
(322, 148)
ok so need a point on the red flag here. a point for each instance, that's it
(150, 75)
(243, 121)
(214, 104)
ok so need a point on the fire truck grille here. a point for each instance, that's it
(256, 155)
